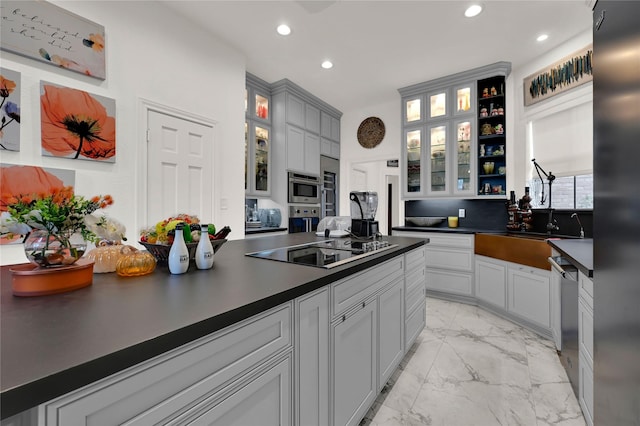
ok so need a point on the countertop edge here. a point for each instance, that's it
(578, 251)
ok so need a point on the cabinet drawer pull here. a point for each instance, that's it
(363, 304)
(344, 318)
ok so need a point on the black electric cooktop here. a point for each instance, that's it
(325, 254)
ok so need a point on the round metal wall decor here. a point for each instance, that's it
(371, 132)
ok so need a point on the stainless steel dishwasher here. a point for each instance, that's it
(568, 316)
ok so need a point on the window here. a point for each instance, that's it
(568, 192)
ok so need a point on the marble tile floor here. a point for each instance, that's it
(470, 367)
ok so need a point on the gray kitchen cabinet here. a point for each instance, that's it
(298, 126)
(390, 330)
(529, 294)
(312, 119)
(366, 338)
(491, 281)
(165, 387)
(354, 362)
(329, 148)
(330, 126)
(415, 295)
(439, 139)
(585, 346)
(312, 359)
(295, 110)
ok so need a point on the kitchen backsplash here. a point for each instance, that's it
(479, 214)
(492, 215)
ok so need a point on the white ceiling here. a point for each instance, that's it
(380, 46)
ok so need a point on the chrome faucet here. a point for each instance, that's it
(579, 223)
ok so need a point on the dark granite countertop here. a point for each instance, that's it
(459, 230)
(52, 345)
(263, 230)
(577, 251)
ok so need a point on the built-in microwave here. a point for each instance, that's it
(304, 188)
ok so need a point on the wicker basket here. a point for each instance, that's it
(161, 251)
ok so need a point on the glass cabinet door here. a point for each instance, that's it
(262, 107)
(463, 99)
(462, 170)
(438, 155)
(438, 105)
(413, 110)
(261, 159)
(414, 164)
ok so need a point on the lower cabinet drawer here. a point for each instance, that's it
(172, 381)
(415, 259)
(449, 281)
(450, 258)
(264, 399)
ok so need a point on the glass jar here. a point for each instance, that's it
(47, 250)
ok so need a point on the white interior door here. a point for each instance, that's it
(179, 167)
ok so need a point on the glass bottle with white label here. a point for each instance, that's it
(178, 254)
(204, 250)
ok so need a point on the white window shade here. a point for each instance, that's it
(562, 142)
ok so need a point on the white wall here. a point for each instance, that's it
(373, 159)
(151, 54)
(519, 159)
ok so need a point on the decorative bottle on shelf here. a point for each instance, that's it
(204, 250)
(178, 254)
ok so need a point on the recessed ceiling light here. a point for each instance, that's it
(283, 29)
(327, 64)
(473, 10)
(542, 37)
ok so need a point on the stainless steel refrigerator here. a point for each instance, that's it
(329, 172)
(616, 229)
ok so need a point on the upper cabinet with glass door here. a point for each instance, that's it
(257, 133)
(440, 134)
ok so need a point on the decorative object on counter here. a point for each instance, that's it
(134, 263)
(178, 254)
(109, 246)
(270, 218)
(498, 130)
(164, 231)
(371, 132)
(483, 112)
(452, 221)
(424, 220)
(204, 250)
(30, 280)
(58, 220)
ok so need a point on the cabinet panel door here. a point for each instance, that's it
(414, 324)
(312, 118)
(312, 154)
(295, 148)
(312, 359)
(529, 295)
(414, 284)
(325, 147)
(391, 331)
(335, 150)
(491, 282)
(295, 110)
(354, 364)
(325, 125)
(585, 330)
(585, 389)
(335, 129)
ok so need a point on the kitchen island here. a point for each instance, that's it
(54, 345)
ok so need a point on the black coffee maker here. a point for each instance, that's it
(364, 205)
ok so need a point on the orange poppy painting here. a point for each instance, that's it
(76, 124)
